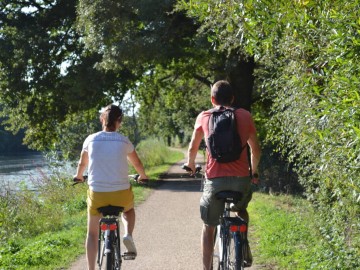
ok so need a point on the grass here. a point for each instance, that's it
(283, 232)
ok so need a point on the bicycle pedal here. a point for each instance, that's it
(129, 256)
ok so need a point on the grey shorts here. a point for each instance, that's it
(211, 208)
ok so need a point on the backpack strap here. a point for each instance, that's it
(222, 108)
(249, 159)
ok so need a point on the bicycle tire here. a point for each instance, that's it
(117, 250)
(224, 235)
(234, 258)
(216, 253)
(109, 260)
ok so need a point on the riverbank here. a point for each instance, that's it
(27, 169)
(49, 232)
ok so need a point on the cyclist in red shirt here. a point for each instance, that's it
(233, 175)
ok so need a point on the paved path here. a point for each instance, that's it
(168, 226)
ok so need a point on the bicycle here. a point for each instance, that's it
(230, 239)
(230, 245)
(109, 249)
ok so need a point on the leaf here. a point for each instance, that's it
(320, 135)
(357, 131)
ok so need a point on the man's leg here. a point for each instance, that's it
(244, 215)
(92, 240)
(247, 252)
(207, 244)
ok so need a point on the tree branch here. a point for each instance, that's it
(203, 80)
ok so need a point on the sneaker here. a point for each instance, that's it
(129, 244)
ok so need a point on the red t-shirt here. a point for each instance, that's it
(240, 167)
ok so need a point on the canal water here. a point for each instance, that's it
(26, 169)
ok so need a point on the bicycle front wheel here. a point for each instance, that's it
(234, 258)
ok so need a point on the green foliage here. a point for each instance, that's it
(307, 53)
(10, 143)
(73, 131)
(153, 152)
(46, 251)
(70, 58)
(284, 232)
(45, 72)
(33, 231)
(27, 213)
(174, 102)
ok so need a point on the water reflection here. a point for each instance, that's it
(11, 164)
(26, 168)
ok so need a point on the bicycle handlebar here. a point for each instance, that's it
(78, 181)
(132, 176)
(198, 168)
(136, 179)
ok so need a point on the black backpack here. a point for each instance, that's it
(223, 143)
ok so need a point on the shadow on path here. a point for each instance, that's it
(178, 182)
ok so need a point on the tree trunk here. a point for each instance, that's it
(241, 78)
(240, 74)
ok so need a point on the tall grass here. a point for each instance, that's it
(153, 152)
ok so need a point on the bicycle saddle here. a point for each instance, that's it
(229, 196)
(110, 210)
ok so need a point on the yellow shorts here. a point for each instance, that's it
(123, 198)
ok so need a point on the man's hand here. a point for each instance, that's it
(143, 179)
(191, 166)
(255, 181)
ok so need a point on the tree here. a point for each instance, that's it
(127, 43)
(178, 64)
(45, 71)
(307, 51)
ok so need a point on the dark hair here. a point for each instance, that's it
(222, 93)
(110, 115)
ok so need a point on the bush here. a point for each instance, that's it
(28, 212)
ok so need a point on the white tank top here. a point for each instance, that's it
(108, 166)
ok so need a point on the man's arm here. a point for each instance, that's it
(255, 151)
(194, 147)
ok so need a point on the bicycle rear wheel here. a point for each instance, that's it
(217, 250)
(234, 258)
(109, 260)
